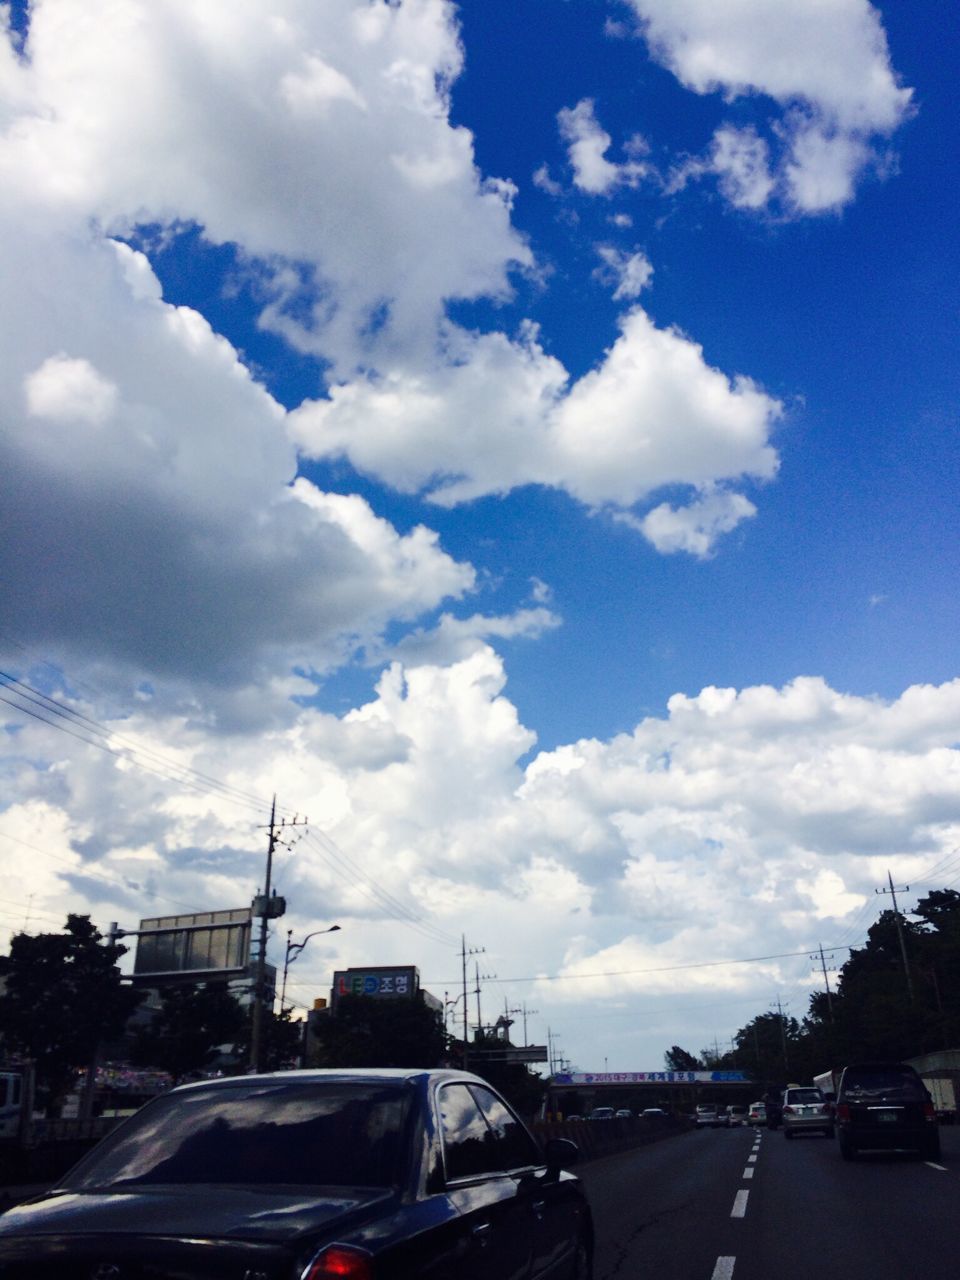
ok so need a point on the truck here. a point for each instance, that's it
(828, 1081)
(943, 1093)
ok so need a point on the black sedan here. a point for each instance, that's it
(310, 1175)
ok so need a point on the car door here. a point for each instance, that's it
(551, 1204)
(497, 1221)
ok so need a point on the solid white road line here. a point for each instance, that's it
(942, 1167)
(748, 1172)
(724, 1269)
(739, 1209)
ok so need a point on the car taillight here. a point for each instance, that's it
(843, 1112)
(788, 1111)
(928, 1112)
(340, 1262)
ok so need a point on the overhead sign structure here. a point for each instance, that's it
(651, 1077)
(510, 1053)
(385, 982)
(206, 944)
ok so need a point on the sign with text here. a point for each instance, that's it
(651, 1077)
(384, 982)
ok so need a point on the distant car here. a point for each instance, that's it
(602, 1113)
(757, 1114)
(624, 1113)
(805, 1110)
(707, 1116)
(312, 1174)
(655, 1114)
(884, 1106)
(736, 1116)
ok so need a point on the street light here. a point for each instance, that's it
(293, 950)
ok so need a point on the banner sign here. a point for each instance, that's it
(652, 1077)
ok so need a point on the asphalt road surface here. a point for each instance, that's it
(744, 1204)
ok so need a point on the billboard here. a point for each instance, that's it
(383, 982)
(204, 945)
(651, 1077)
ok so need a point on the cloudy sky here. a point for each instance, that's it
(522, 436)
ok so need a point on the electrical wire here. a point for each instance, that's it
(41, 707)
(669, 968)
(340, 862)
(33, 702)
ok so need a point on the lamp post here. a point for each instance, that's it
(293, 950)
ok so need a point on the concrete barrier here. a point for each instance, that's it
(597, 1138)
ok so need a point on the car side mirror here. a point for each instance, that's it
(560, 1153)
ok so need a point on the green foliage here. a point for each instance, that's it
(871, 1013)
(281, 1041)
(63, 997)
(186, 1031)
(678, 1059)
(365, 1032)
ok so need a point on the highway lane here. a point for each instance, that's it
(742, 1204)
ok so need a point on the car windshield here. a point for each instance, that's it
(327, 1134)
(804, 1095)
(874, 1082)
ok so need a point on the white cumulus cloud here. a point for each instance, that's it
(826, 68)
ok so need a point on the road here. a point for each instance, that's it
(744, 1204)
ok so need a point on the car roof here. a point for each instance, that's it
(883, 1064)
(345, 1075)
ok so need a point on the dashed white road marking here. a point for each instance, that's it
(748, 1172)
(751, 1159)
(942, 1167)
(739, 1209)
(724, 1269)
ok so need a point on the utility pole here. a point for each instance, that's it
(527, 1012)
(899, 921)
(477, 978)
(267, 906)
(464, 953)
(783, 1038)
(826, 982)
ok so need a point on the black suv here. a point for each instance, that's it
(885, 1106)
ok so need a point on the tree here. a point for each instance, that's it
(281, 1040)
(185, 1034)
(365, 1032)
(63, 996)
(678, 1059)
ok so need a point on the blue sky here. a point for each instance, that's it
(523, 436)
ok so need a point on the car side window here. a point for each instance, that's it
(517, 1150)
(469, 1147)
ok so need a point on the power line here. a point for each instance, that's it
(669, 968)
(334, 856)
(40, 706)
(91, 732)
